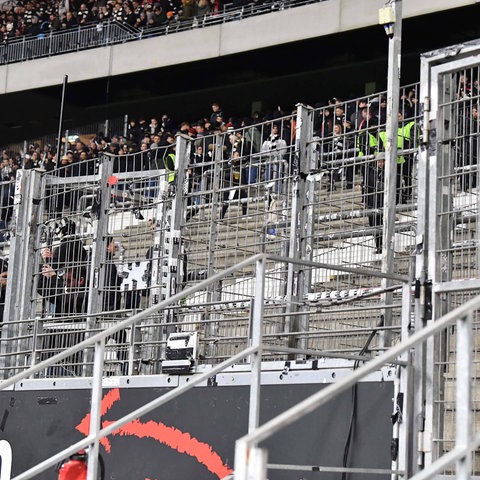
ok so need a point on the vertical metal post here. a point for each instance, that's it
(213, 291)
(404, 401)
(174, 241)
(256, 329)
(182, 158)
(393, 98)
(95, 409)
(99, 249)
(426, 180)
(19, 280)
(464, 417)
(439, 259)
(152, 334)
(300, 242)
(125, 125)
(67, 134)
(477, 231)
(251, 461)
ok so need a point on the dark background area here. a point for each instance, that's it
(308, 72)
(41, 423)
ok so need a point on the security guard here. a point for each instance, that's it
(406, 139)
(169, 160)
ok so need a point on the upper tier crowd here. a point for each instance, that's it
(38, 17)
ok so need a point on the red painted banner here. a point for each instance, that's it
(180, 441)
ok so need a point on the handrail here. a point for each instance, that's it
(128, 322)
(246, 450)
(98, 340)
(457, 453)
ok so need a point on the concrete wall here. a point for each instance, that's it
(324, 18)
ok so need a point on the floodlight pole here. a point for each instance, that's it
(391, 18)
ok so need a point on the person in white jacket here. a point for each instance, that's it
(273, 152)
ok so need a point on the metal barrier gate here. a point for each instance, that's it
(446, 272)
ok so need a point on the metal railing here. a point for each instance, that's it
(252, 354)
(112, 32)
(276, 192)
(251, 460)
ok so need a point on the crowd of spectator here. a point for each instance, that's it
(334, 118)
(38, 17)
(338, 125)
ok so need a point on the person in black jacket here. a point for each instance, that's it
(67, 292)
(70, 252)
(113, 279)
(373, 192)
(65, 289)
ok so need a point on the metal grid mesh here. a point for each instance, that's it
(456, 245)
(347, 198)
(149, 226)
(445, 379)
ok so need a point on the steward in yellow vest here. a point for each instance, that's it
(407, 138)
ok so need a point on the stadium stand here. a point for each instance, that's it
(312, 242)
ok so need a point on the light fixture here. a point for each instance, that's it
(386, 17)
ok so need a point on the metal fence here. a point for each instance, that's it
(453, 255)
(299, 186)
(94, 242)
(112, 32)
